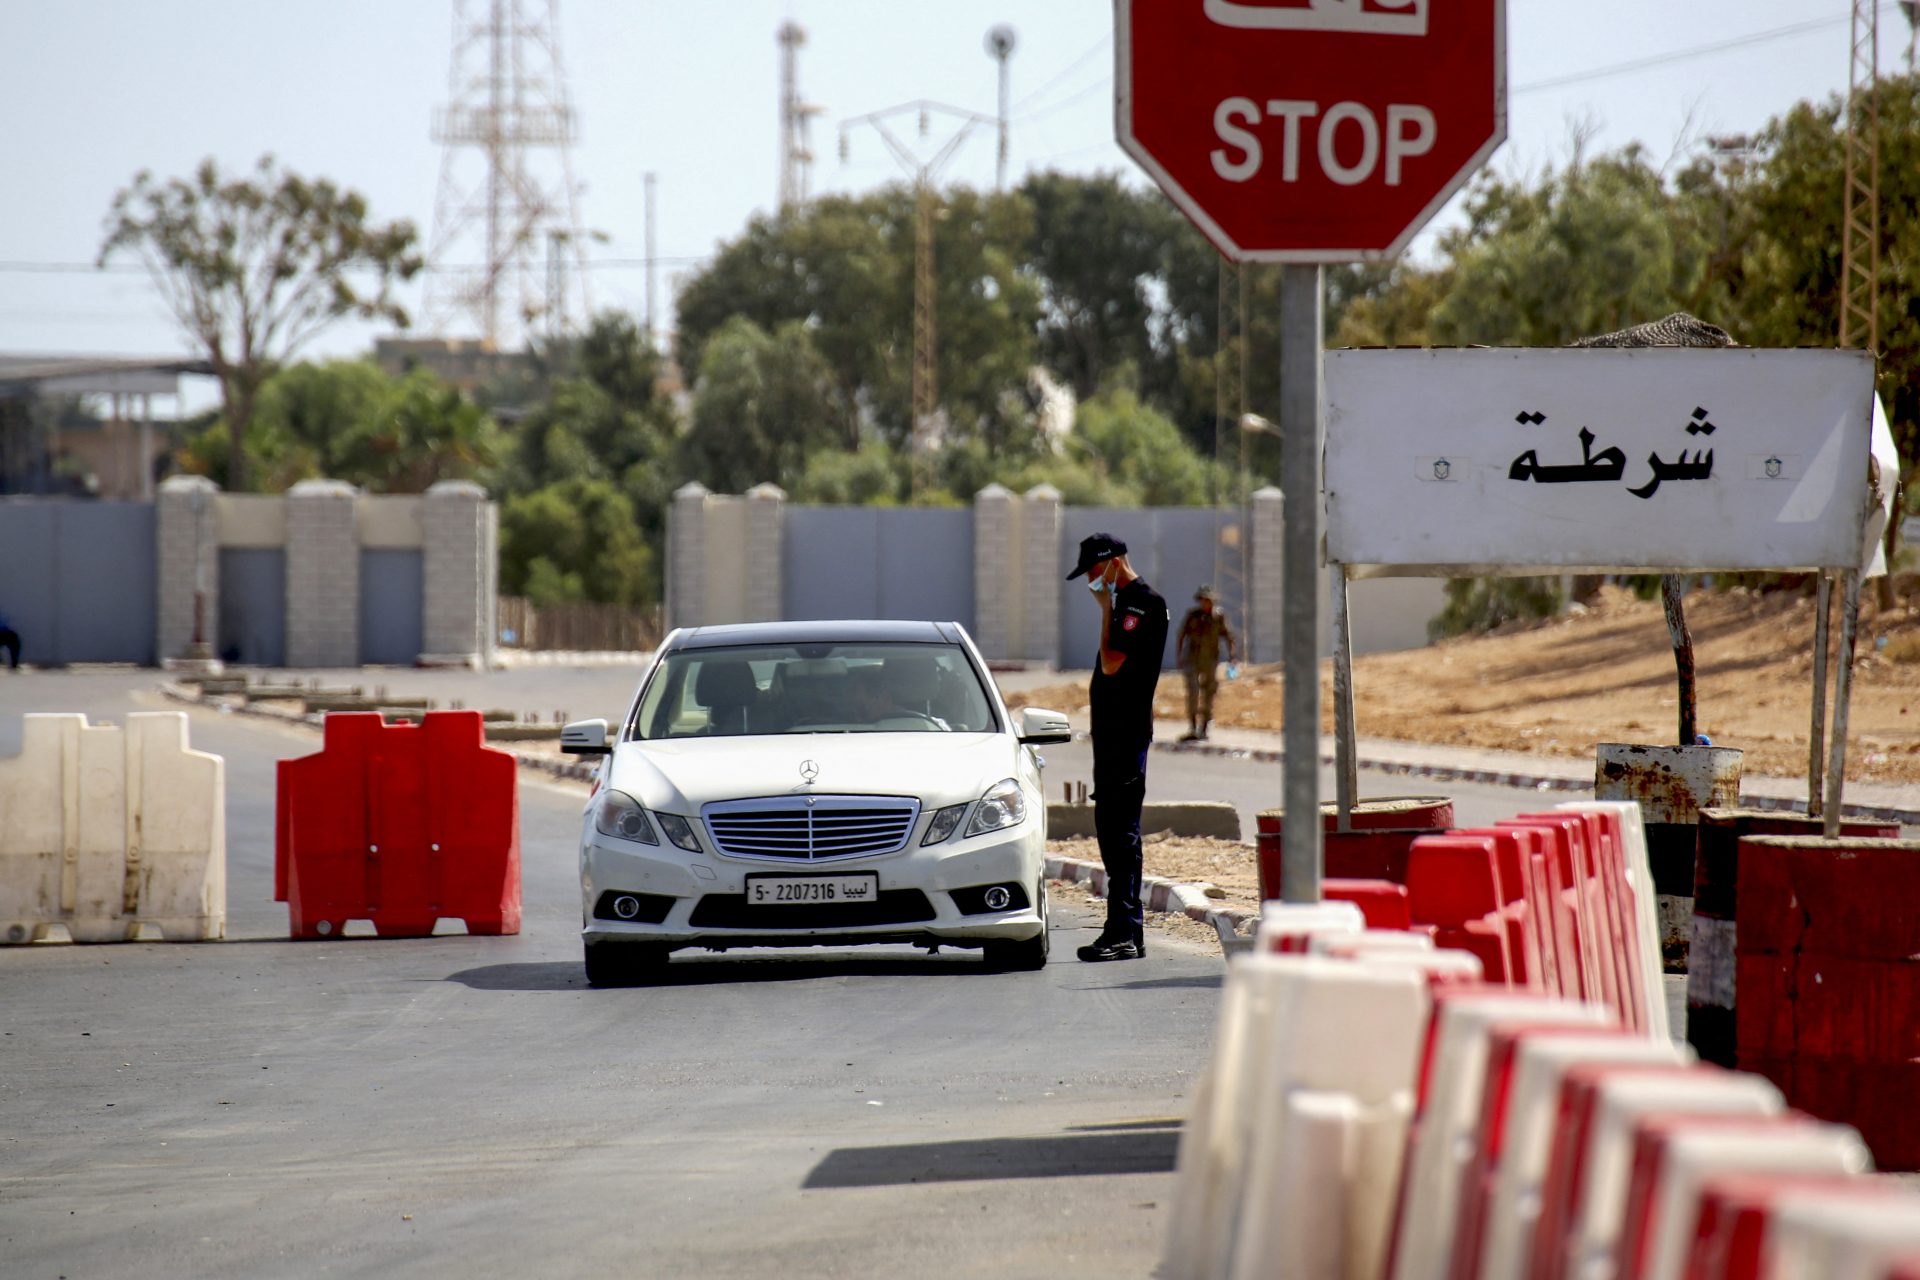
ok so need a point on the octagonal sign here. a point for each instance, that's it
(1310, 130)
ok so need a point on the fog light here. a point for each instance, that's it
(626, 906)
(997, 898)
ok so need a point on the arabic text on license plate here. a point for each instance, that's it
(812, 890)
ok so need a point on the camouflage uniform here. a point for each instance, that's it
(1202, 634)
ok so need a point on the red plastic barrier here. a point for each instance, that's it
(1599, 937)
(1496, 1098)
(1652, 1137)
(1453, 883)
(1563, 1189)
(1570, 881)
(402, 825)
(1729, 1239)
(1519, 915)
(1382, 902)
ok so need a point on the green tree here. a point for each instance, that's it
(575, 540)
(422, 433)
(1140, 449)
(763, 405)
(1597, 246)
(254, 267)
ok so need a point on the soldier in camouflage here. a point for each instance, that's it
(1197, 652)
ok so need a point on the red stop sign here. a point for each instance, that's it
(1310, 130)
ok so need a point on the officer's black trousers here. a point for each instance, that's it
(1119, 789)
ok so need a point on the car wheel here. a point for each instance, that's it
(615, 964)
(1027, 954)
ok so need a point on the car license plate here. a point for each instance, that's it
(800, 891)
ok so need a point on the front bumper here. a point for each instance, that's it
(916, 894)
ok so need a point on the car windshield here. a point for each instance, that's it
(813, 688)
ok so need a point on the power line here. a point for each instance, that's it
(1683, 55)
(1071, 67)
(1041, 113)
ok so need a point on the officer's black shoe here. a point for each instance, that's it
(1104, 949)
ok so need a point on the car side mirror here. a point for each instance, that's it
(1038, 727)
(585, 738)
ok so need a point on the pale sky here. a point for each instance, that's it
(92, 91)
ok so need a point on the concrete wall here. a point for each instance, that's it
(320, 576)
(999, 568)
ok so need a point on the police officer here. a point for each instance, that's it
(1197, 653)
(1133, 639)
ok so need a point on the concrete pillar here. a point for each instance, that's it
(686, 556)
(997, 612)
(460, 567)
(1266, 592)
(1040, 573)
(766, 532)
(187, 540)
(323, 574)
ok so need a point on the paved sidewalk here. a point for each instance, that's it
(1884, 801)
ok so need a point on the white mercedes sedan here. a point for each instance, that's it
(814, 784)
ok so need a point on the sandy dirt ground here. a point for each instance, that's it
(1599, 674)
(1606, 674)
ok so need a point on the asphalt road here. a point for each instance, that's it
(262, 1107)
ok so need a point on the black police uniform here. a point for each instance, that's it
(1122, 712)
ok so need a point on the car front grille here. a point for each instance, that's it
(811, 828)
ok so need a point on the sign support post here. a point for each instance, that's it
(1303, 444)
(1346, 770)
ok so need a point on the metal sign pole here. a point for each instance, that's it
(1346, 770)
(1817, 741)
(1302, 431)
(1842, 695)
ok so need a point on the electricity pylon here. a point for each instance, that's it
(925, 174)
(1860, 218)
(796, 115)
(507, 100)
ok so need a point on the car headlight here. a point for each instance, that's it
(679, 830)
(1004, 805)
(619, 814)
(943, 823)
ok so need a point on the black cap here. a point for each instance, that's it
(1094, 548)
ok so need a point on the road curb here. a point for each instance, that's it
(1519, 779)
(577, 771)
(1156, 894)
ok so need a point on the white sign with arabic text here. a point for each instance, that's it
(1512, 460)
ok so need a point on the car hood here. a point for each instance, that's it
(682, 774)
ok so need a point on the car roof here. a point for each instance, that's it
(848, 631)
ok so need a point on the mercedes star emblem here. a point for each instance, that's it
(809, 769)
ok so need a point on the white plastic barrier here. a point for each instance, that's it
(1369, 942)
(1292, 926)
(1442, 1144)
(1288, 1161)
(1860, 1239)
(104, 830)
(1646, 945)
(1530, 1099)
(1353, 1031)
(1678, 1156)
(1594, 1156)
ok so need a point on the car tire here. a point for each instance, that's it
(1027, 954)
(629, 964)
